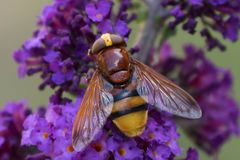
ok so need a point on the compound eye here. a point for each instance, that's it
(101, 62)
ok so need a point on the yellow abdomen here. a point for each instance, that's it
(130, 115)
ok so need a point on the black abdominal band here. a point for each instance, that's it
(124, 94)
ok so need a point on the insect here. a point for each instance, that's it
(120, 89)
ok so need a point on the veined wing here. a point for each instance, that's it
(96, 106)
(160, 92)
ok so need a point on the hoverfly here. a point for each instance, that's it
(120, 89)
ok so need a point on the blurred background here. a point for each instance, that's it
(18, 20)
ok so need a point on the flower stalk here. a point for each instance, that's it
(153, 26)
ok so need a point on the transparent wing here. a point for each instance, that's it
(96, 106)
(160, 92)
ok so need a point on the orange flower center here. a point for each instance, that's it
(154, 153)
(98, 147)
(45, 135)
(150, 135)
(168, 143)
(64, 70)
(122, 151)
(70, 148)
(99, 15)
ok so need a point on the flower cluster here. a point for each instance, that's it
(51, 133)
(211, 87)
(58, 49)
(216, 16)
(12, 116)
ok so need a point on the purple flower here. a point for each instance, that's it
(105, 26)
(211, 87)
(158, 152)
(212, 14)
(177, 12)
(192, 154)
(12, 116)
(97, 12)
(62, 72)
(51, 134)
(230, 28)
(122, 28)
(124, 148)
(51, 56)
(196, 2)
(67, 29)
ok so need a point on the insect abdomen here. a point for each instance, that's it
(129, 113)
